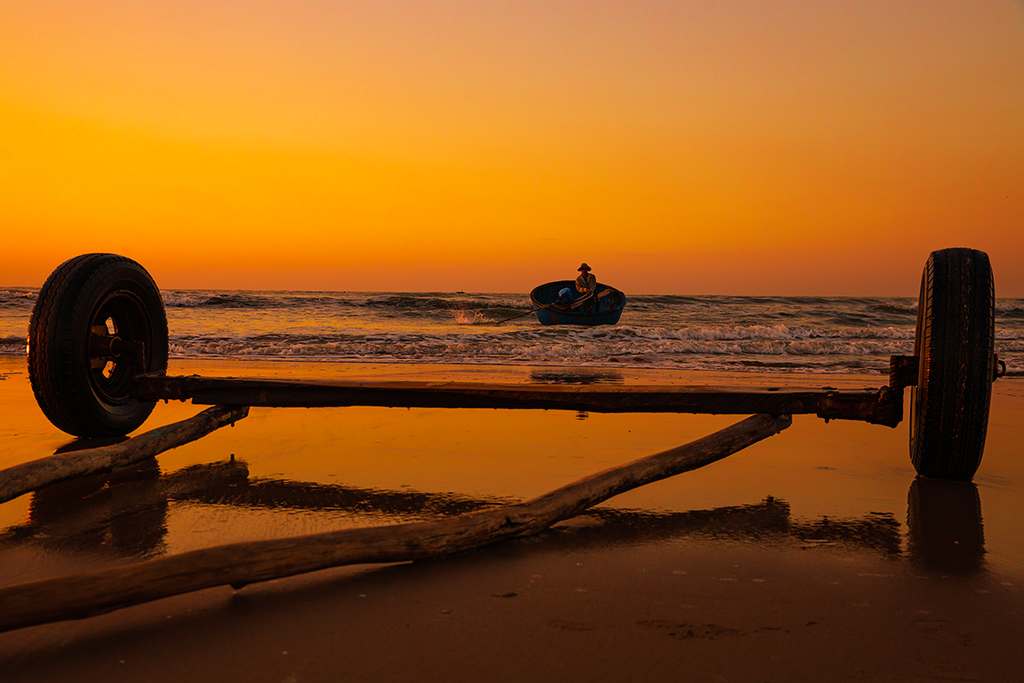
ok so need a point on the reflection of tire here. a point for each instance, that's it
(97, 322)
(96, 507)
(946, 532)
(955, 346)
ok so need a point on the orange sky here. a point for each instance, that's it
(679, 147)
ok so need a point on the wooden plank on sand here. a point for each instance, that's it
(30, 476)
(238, 564)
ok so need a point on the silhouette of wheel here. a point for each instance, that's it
(98, 322)
(955, 344)
(945, 530)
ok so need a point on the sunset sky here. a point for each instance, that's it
(744, 147)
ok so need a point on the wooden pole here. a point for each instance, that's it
(520, 315)
(29, 476)
(238, 564)
(881, 406)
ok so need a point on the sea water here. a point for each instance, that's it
(824, 335)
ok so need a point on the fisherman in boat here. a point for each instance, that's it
(586, 285)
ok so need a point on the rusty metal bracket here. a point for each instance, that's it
(882, 408)
(136, 354)
(153, 386)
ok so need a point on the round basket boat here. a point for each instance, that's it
(602, 308)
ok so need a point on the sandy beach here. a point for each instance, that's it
(814, 555)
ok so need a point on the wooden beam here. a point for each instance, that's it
(238, 564)
(29, 476)
(876, 406)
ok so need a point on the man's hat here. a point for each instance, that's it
(584, 267)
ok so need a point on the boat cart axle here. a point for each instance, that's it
(98, 352)
(882, 406)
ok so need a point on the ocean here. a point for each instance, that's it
(823, 335)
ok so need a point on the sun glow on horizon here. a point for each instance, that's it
(740, 148)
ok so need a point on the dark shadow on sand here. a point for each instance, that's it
(124, 515)
(581, 376)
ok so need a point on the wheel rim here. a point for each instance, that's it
(118, 327)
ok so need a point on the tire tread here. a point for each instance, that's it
(955, 342)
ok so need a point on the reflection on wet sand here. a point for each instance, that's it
(769, 521)
(114, 514)
(125, 515)
(946, 534)
(577, 376)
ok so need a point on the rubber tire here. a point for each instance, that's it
(955, 344)
(82, 292)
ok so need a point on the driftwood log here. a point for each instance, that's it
(30, 476)
(238, 564)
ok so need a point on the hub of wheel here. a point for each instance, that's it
(104, 348)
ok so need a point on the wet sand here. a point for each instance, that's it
(814, 555)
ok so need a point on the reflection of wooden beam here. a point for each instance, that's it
(276, 494)
(29, 476)
(238, 564)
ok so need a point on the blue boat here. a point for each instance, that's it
(578, 311)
